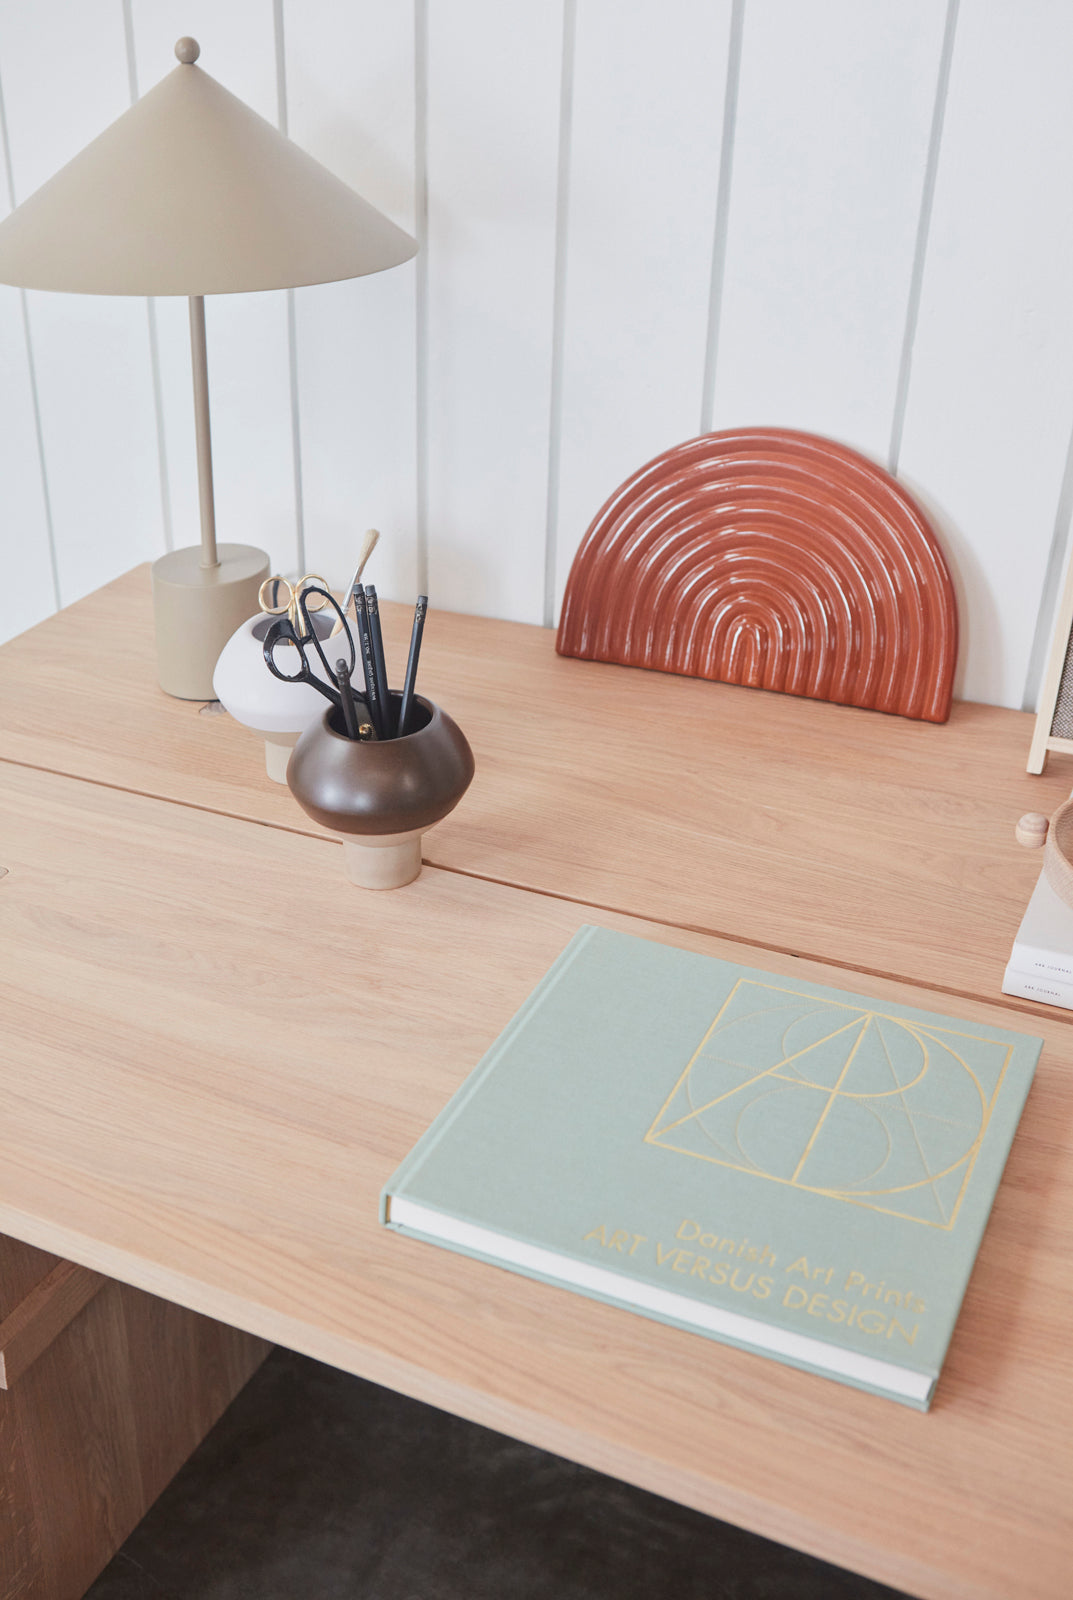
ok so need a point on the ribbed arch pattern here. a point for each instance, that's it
(774, 559)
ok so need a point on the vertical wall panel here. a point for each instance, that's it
(990, 403)
(249, 378)
(350, 78)
(26, 594)
(65, 78)
(644, 173)
(830, 146)
(494, 75)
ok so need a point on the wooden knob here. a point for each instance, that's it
(187, 50)
(1031, 831)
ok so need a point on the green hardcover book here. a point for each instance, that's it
(794, 1169)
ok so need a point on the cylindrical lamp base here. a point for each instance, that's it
(197, 609)
(386, 861)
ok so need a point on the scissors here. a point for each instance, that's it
(278, 595)
(300, 633)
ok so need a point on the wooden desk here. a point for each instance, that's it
(205, 1088)
(869, 841)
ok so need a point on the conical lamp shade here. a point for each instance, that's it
(190, 192)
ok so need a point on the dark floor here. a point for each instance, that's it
(318, 1486)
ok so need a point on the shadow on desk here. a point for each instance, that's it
(318, 1486)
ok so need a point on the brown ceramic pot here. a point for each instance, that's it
(382, 794)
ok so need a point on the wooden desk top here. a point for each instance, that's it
(866, 840)
(204, 1089)
(190, 1108)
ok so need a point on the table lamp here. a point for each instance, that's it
(190, 192)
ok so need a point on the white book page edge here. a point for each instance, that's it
(663, 1302)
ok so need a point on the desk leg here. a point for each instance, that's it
(96, 1426)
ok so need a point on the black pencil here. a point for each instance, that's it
(346, 696)
(388, 731)
(406, 704)
(368, 666)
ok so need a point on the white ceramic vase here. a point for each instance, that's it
(281, 712)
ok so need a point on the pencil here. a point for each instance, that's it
(346, 697)
(388, 730)
(406, 704)
(372, 697)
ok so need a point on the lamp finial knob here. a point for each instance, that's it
(187, 50)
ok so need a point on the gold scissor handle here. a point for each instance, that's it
(268, 596)
(278, 595)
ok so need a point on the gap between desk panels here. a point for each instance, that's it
(1008, 1002)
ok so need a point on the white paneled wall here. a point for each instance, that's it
(90, 356)
(637, 218)
(30, 590)
(494, 127)
(249, 376)
(352, 106)
(990, 407)
(645, 149)
(834, 109)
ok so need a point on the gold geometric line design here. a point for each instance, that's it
(843, 1005)
(988, 1103)
(919, 1032)
(809, 1083)
(923, 1034)
(688, 1066)
(767, 1072)
(865, 1198)
(833, 1096)
(696, 1112)
(909, 1119)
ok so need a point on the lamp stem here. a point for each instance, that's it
(200, 363)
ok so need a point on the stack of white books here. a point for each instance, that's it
(1041, 964)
